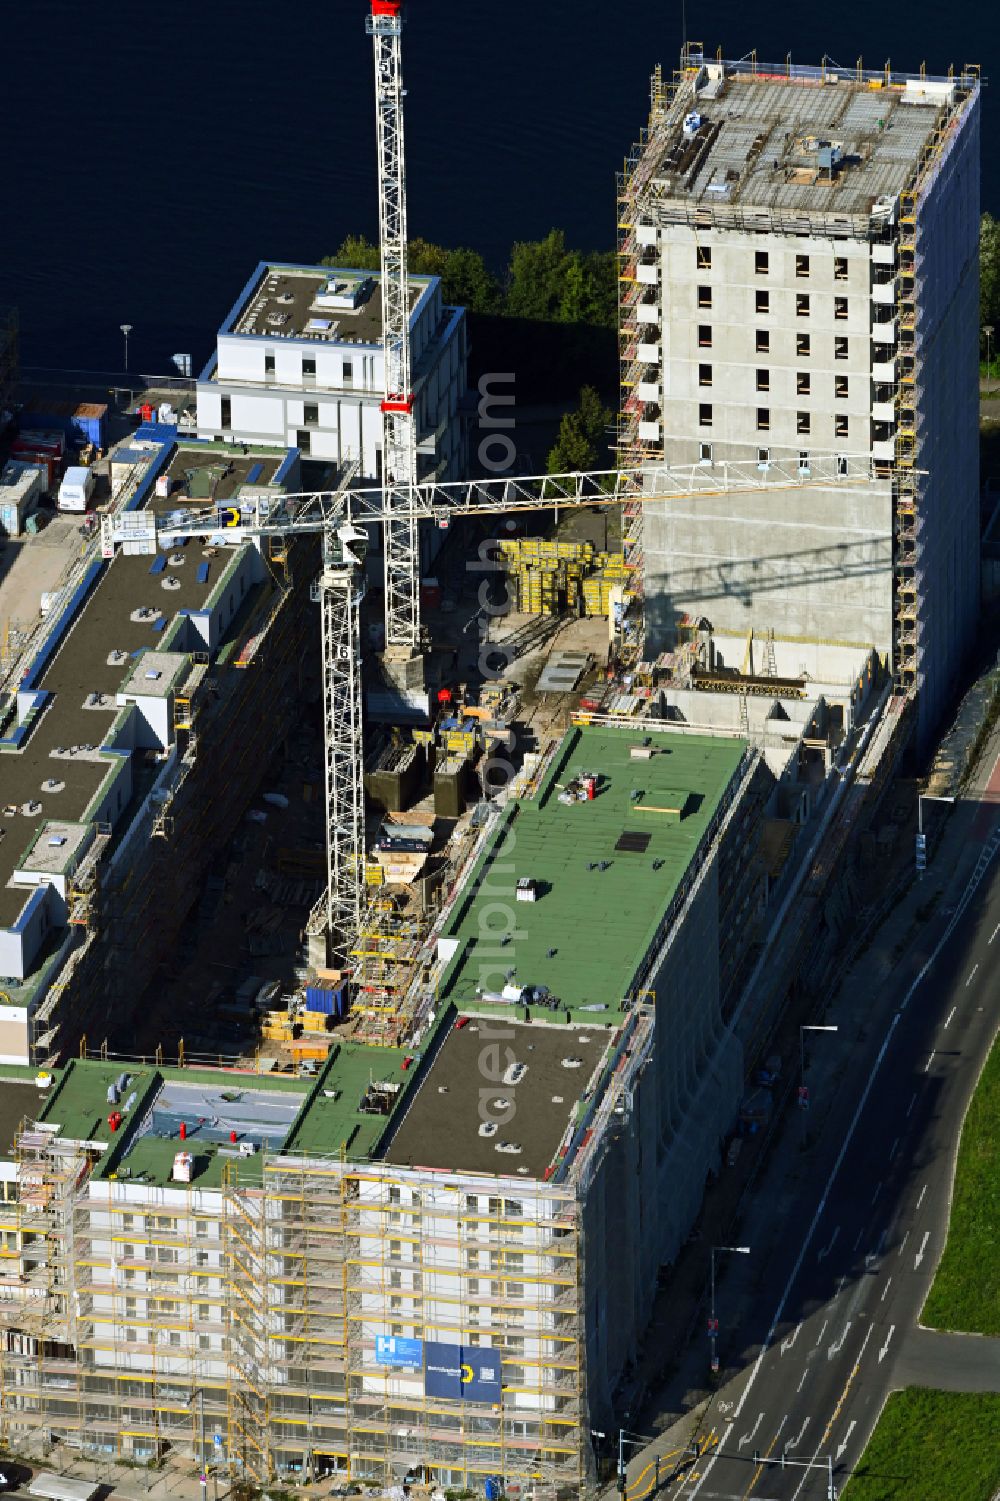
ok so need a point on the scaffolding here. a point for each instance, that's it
(321, 1252)
(385, 956)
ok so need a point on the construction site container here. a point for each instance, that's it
(21, 488)
(89, 424)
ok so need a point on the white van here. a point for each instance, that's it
(76, 489)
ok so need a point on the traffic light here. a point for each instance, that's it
(803, 1096)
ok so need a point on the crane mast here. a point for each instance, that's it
(399, 446)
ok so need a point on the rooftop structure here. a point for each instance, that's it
(299, 363)
(606, 870)
(799, 265)
(811, 142)
(100, 725)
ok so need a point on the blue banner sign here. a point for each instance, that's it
(462, 1373)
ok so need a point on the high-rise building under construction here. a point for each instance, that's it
(799, 275)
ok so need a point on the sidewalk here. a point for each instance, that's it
(678, 1388)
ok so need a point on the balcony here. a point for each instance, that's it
(646, 234)
(650, 353)
(648, 390)
(884, 372)
(648, 312)
(884, 333)
(884, 255)
(649, 432)
(884, 411)
(884, 293)
(648, 275)
(884, 450)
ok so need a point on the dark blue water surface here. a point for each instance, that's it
(153, 154)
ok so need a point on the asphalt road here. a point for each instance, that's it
(834, 1327)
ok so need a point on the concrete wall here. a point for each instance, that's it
(732, 359)
(948, 437)
(649, 1187)
(813, 562)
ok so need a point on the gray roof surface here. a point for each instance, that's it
(282, 305)
(79, 668)
(460, 1091)
(757, 142)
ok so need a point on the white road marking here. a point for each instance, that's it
(923, 1248)
(996, 930)
(793, 1442)
(840, 1286)
(786, 1344)
(929, 1062)
(822, 1332)
(827, 1249)
(747, 1437)
(882, 1352)
(885, 1290)
(861, 1236)
(902, 1244)
(838, 1345)
(807, 1473)
(841, 1447)
(802, 1383)
(922, 1192)
(972, 976)
(912, 1103)
(821, 1206)
(892, 1149)
(951, 1014)
(878, 1190)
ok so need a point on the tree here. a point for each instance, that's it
(537, 271)
(356, 253)
(467, 282)
(582, 441)
(989, 275)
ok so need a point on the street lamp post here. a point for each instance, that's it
(713, 1322)
(126, 329)
(988, 334)
(624, 1437)
(921, 849)
(803, 1091)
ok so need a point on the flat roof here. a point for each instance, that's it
(600, 899)
(155, 673)
(211, 1103)
(320, 304)
(218, 471)
(760, 134)
(61, 766)
(18, 1101)
(442, 1125)
(347, 1107)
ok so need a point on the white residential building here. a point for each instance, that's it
(299, 363)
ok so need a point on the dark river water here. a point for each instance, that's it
(151, 155)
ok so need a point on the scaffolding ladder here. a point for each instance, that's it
(244, 1222)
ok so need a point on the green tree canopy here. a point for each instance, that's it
(465, 279)
(583, 436)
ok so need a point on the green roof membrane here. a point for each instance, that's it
(587, 932)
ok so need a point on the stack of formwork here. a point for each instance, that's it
(549, 576)
(609, 574)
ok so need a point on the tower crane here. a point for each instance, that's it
(338, 516)
(401, 538)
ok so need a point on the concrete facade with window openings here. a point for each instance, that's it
(299, 362)
(800, 276)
